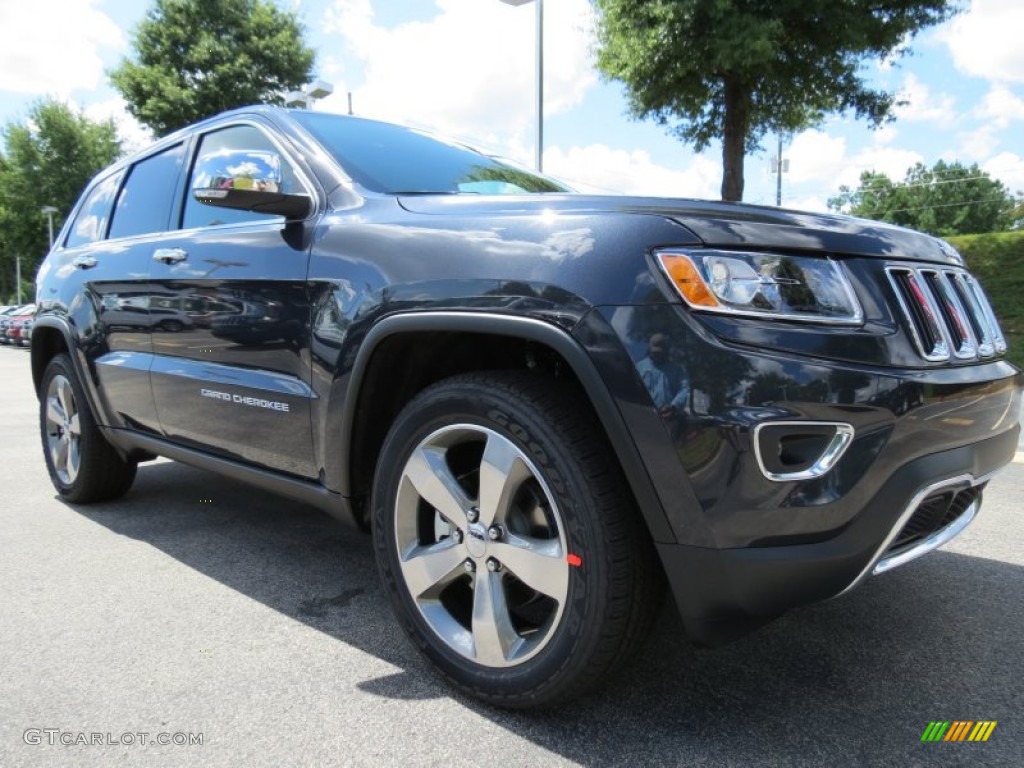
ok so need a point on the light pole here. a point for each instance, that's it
(48, 211)
(780, 166)
(313, 91)
(539, 162)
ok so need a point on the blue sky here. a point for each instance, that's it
(465, 68)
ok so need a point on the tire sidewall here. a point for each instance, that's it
(102, 474)
(582, 615)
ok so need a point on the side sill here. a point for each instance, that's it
(335, 505)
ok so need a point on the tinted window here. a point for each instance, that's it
(234, 139)
(144, 204)
(90, 224)
(388, 158)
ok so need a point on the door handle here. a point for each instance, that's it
(84, 262)
(170, 255)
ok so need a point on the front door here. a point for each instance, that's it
(230, 327)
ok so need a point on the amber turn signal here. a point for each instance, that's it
(682, 272)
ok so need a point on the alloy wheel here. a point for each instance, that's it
(481, 545)
(63, 429)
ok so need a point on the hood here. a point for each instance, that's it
(722, 225)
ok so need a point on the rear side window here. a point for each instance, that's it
(145, 202)
(90, 224)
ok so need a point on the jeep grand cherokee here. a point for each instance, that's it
(545, 406)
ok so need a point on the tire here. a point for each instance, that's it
(530, 593)
(83, 466)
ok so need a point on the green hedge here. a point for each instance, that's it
(998, 261)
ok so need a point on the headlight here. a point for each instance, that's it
(812, 289)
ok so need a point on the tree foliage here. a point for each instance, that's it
(46, 160)
(195, 58)
(732, 70)
(947, 199)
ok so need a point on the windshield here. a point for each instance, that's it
(389, 158)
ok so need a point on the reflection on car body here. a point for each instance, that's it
(544, 406)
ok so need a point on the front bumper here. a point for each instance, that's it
(723, 593)
(748, 547)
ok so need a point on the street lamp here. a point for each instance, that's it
(48, 211)
(312, 92)
(540, 77)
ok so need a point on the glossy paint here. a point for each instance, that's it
(896, 418)
(236, 331)
(98, 294)
(258, 345)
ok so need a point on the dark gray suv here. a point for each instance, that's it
(545, 406)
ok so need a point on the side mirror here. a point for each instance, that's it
(247, 180)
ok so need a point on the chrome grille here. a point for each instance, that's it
(947, 313)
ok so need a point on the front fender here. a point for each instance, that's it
(338, 468)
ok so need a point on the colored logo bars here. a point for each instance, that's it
(958, 730)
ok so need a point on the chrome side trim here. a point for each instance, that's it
(966, 481)
(829, 457)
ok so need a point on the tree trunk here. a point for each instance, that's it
(734, 139)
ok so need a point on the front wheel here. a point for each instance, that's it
(511, 550)
(83, 466)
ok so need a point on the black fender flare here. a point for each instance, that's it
(530, 329)
(78, 362)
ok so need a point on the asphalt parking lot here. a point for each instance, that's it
(196, 606)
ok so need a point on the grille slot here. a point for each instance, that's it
(947, 314)
(932, 515)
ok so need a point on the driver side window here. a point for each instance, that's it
(236, 138)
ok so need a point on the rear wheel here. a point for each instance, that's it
(512, 552)
(83, 466)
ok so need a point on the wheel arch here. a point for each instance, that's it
(375, 394)
(52, 336)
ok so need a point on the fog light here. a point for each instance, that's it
(800, 450)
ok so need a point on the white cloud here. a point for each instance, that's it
(599, 168)
(985, 41)
(813, 203)
(1008, 168)
(886, 134)
(977, 144)
(1001, 106)
(469, 71)
(134, 136)
(921, 104)
(822, 160)
(892, 161)
(814, 156)
(53, 48)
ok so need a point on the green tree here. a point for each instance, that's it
(195, 58)
(732, 70)
(46, 160)
(947, 199)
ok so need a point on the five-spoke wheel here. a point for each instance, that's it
(83, 466)
(481, 545)
(507, 541)
(63, 428)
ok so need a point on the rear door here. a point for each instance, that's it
(105, 252)
(230, 319)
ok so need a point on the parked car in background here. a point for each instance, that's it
(5, 313)
(20, 331)
(544, 406)
(12, 322)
